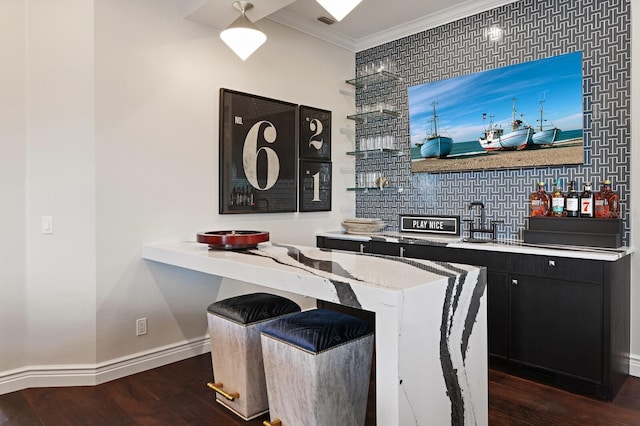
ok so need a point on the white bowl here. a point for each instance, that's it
(363, 227)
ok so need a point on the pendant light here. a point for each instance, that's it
(339, 8)
(242, 36)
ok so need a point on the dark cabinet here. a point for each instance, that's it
(557, 325)
(569, 322)
(498, 314)
(561, 320)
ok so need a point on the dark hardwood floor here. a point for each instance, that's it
(176, 394)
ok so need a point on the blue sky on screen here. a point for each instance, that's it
(462, 101)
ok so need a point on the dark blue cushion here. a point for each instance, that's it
(255, 307)
(318, 330)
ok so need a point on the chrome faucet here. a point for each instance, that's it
(482, 217)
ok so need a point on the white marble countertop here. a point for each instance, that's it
(377, 272)
(509, 246)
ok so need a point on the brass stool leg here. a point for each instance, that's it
(218, 388)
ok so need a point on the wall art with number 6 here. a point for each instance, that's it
(257, 154)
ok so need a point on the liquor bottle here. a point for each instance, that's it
(586, 201)
(614, 202)
(572, 203)
(607, 202)
(540, 201)
(252, 197)
(601, 202)
(557, 200)
(238, 197)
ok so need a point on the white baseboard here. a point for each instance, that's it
(94, 374)
(634, 365)
(89, 375)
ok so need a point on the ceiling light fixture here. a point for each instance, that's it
(493, 33)
(339, 8)
(242, 36)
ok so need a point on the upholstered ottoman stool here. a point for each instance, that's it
(317, 365)
(236, 353)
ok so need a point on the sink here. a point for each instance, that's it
(436, 239)
(476, 240)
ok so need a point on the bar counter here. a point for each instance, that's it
(431, 328)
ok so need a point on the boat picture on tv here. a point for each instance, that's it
(524, 115)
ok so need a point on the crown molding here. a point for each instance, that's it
(464, 10)
(312, 28)
(444, 16)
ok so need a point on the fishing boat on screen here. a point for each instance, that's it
(494, 137)
(435, 145)
(544, 135)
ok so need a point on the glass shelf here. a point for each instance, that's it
(376, 77)
(366, 152)
(374, 188)
(363, 117)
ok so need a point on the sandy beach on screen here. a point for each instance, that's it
(565, 152)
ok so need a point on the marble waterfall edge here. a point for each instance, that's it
(431, 331)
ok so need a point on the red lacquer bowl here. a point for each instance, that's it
(232, 240)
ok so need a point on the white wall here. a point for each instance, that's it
(60, 183)
(48, 281)
(13, 326)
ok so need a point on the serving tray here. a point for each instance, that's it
(232, 240)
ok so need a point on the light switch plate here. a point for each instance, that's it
(47, 224)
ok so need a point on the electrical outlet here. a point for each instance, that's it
(141, 326)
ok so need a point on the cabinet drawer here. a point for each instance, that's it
(348, 245)
(561, 268)
(416, 251)
(492, 260)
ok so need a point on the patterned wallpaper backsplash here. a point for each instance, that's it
(533, 29)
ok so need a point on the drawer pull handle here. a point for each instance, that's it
(514, 282)
(361, 248)
(401, 251)
(552, 263)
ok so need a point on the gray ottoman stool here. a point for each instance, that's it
(236, 353)
(317, 365)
